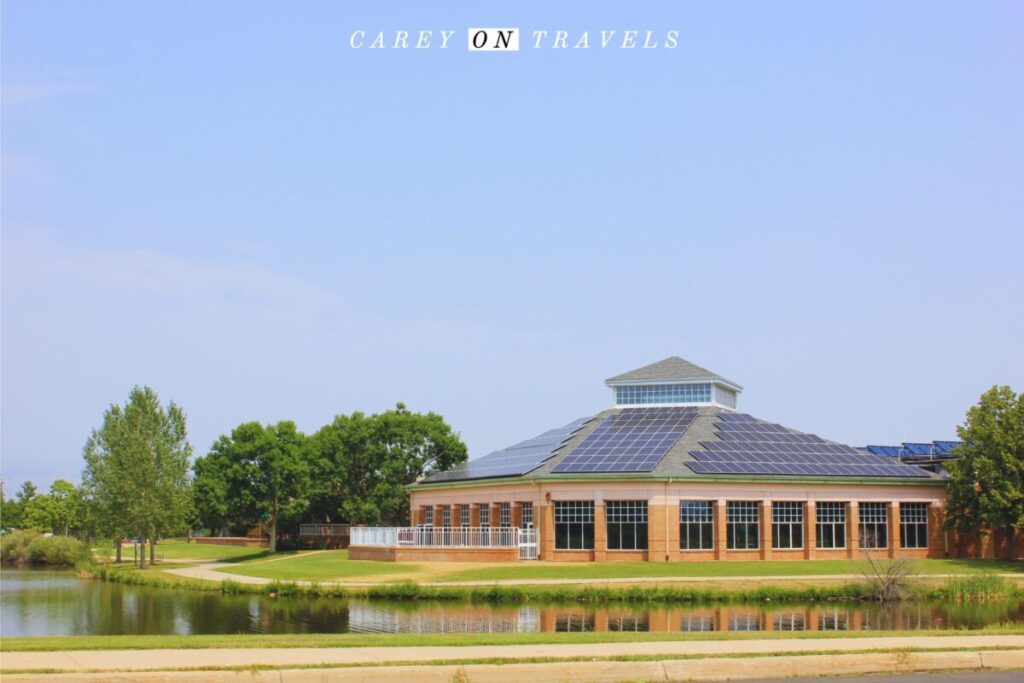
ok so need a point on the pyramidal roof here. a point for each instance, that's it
(670, 369)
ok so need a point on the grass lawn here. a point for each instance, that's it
(319, 566)
(616, 570)
(55, 643)
(178, 548)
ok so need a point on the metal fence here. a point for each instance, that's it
(435, 537)
(323, 530)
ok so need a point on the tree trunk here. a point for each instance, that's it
(117, 551)
(273, 534)
(142, 551)
(152, 550)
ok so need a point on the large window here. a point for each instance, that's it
(696, 525)
(506, 515)
(626, 521)
(741, 525)
(485, 516)
(831, 525)
(574, 525)
(874, 525)
(527, 515)
(663, 393)
(428, 516)
(787, 525)
(913, 525)
(464, 515)
(446, 516)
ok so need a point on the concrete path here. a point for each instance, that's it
(133, 660)
(209, 571)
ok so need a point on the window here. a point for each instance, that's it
(428, 516)
(696, 525)
(789, 621)
(741, 525)
(485, 515)
(745, 621)
(831, 525)
(874, 525)
(627, 524)
(574, 525)
(464, 515)
(506, 515)
(527, 515)
(446, 516)
(787, 525)
(663, 393)
(913, 525)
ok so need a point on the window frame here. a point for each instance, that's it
(829, 522)
(626, 521)
(574, 524)
(465, 516)
(505, 515)
(428, 516)
(918, 527)
(872, 522)
(740, 509)
(788, 517)
(699, 521)
(526, 515)
(485, 516)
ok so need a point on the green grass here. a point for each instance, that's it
(316, 566)
(621, 570)
(179, 548)
(58, 643)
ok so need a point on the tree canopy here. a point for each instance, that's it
(986, 487)
(137, 468)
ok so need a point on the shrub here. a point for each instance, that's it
(31, 547)
(976, 587)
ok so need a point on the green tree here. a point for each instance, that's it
(210, 494)
(986, 481)
(364, 463)
(264, 473)
(137, 469)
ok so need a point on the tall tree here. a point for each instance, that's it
(265, 473)
(986, 487)
(374, 458)
(137, 468)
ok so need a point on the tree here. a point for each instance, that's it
(986, 481)
(137, 469)
(263, 473)
(364, 463)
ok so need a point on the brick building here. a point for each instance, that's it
(673, 472)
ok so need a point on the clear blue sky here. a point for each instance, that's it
(821, 201)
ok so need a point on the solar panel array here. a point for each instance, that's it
(631, 440)
(514, 460)
(751, 446)
(935, 448)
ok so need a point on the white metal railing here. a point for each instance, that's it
(435, 537)
(323, 530)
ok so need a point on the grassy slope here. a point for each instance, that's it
(335, 564)
(176, 549)
(317, 566)
(56, 643)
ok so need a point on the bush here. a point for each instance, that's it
(23, 547)
(977, 587)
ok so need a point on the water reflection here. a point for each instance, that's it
(56, 603)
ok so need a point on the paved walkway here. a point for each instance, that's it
(133, 660)
(209, 571)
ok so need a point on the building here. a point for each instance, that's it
(672, 472)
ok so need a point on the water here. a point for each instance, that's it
(41, 603)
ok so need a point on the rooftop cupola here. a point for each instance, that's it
(673, 382)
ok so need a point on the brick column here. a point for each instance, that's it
(936, 535)
(517, 515)
(600, 532)
(852, 529)
(416, 516)
(474, 515)
(544, 519)
(657, 542)
(810, 531)
(766, 530)
(721, 536)
(894, 527)
(672, 539)
(438, 514)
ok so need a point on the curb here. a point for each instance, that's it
(708, 669)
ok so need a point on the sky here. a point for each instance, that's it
(224, 201)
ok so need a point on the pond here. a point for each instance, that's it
(45, 603)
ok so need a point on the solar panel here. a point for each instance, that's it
(946, 447)
(630, 440)
(514, 460)
(747, 445)
(888, 451)
(919, 448)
